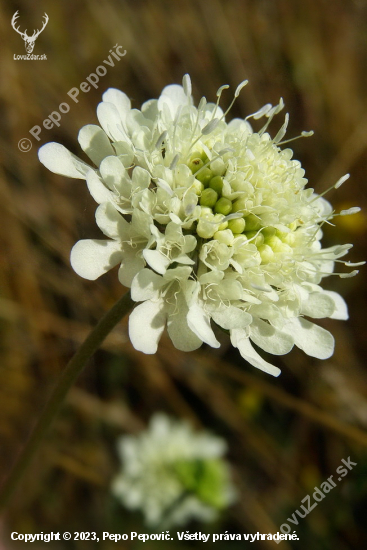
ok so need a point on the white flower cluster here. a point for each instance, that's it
(173, 474)
(209, 221)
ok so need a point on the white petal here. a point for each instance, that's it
(110, 221)
(156, 260)
(119, 100)
(230, 290)
(199, 322)
(109, 119)
(312, 339)
(182, 336)
(164, 185)
(173, 96)
(146, 324)
(141, 222)
(97, 189)
(114, 174)
(140, 179)
(131, 264)
(190, 243)
(124, 152)
(175, 219)
(180, 273)
(249, 298)
(341, 308)
(241, 341)
(149, 109)
(91, 258)
(184, 259)
(135, 121)
(146, 285)
(210, 107)
(95, 143)
(60, 161)
(269, 338)
(231, 318)
(318, 305)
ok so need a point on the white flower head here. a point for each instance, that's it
(173, 474)
(210, 222)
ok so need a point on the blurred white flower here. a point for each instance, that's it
(209, 221)
(173, 474)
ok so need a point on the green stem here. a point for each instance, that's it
(68, 377)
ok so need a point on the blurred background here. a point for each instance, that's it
(285, 435)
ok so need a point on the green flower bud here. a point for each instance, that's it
(252, 223)
(187, 473)
(211, 481)
(208, 197)
(205, 478)
(268, 232)
(195, 164)
(284, 248)
(258, 238)
(223, 226)
(205, 175)
(199, 154)
(225, 237)
(239, 205)
(237, 226)
(289, 239)
(206, 228)
(266, 253)
(216, 183)
(274, 242)
(223, 206)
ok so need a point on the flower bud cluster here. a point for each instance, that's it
(173, 474)
(210, 223)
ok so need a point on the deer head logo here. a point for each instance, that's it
(28, 40)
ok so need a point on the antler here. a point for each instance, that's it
(14, 18)
(38, 32)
